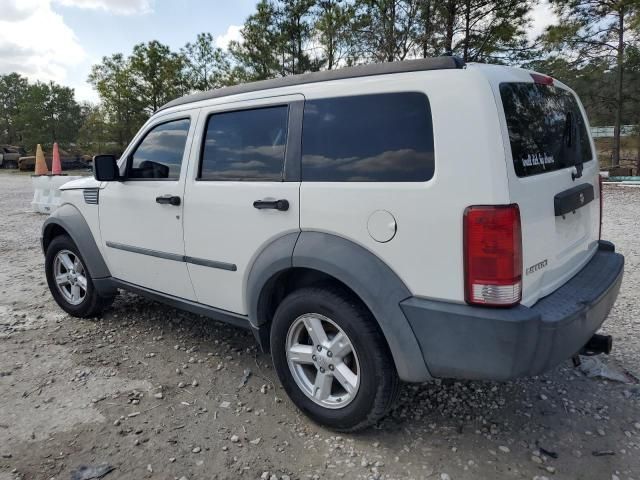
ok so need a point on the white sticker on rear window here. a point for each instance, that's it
(537, 159)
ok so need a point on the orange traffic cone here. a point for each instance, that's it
(41, 165)
(56, 167)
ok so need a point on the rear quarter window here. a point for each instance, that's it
(547, 131)
(368, 138)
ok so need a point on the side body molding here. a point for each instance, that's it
(369, 277)
(71, 220)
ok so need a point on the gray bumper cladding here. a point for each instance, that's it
(460, 341)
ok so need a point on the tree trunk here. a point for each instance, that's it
(450, 24)
(426, 17)
(467, 28)
(618, 121)
(119, 117)
(298, 45)
(331, 53)
(391, 36)
(299, 52)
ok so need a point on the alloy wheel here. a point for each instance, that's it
(323, 361)
(70, 277)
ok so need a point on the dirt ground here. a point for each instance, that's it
(156, 393)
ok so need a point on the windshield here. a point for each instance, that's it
(546, 129)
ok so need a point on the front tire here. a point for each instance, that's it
(69, 280)
(332, 359)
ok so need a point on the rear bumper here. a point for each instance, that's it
(461, 341)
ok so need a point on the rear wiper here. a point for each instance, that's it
(579, 160)
(567, 135)
(569, 128)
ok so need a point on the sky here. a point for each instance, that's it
(59, 40)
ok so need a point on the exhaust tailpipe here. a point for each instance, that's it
(598, 344)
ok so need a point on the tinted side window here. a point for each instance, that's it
(245, 145)
(159, 155)
(369, 138)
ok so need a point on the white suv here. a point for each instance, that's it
(402, 221)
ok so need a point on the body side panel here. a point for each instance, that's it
(427, 251)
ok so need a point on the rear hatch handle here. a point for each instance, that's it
(572, 199)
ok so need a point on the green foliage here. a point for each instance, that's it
(295, 30)
(476, 30)
(275, 41)
(386, 29)
(492, 31)
(117, 87)
(259, 55)
(13, 89)
(37, 113)
(96, 134)
(158, 73)
(335, 33)
(591, 29)
(206, 66)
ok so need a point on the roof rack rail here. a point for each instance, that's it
(423, 64)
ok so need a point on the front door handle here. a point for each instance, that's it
(168, 200)
(282, 205)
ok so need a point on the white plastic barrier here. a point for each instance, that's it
(46, 195)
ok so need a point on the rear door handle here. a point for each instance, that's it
(281, 205)
(168, 200)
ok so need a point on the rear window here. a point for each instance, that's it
(369, 138)
(546, 129)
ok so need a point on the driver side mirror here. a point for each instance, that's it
(105, 168)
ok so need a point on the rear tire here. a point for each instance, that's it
(69, 280)
(348, 390)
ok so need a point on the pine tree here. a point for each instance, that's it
(483, 30)
(386, 29)
(333, 28)
(258, 56)
(295, 32)
(206, 66)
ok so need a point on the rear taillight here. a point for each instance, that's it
(600, 188)
(492, 255)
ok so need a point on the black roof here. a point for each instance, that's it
(437, 63)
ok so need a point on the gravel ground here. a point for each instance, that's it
(157, 393)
